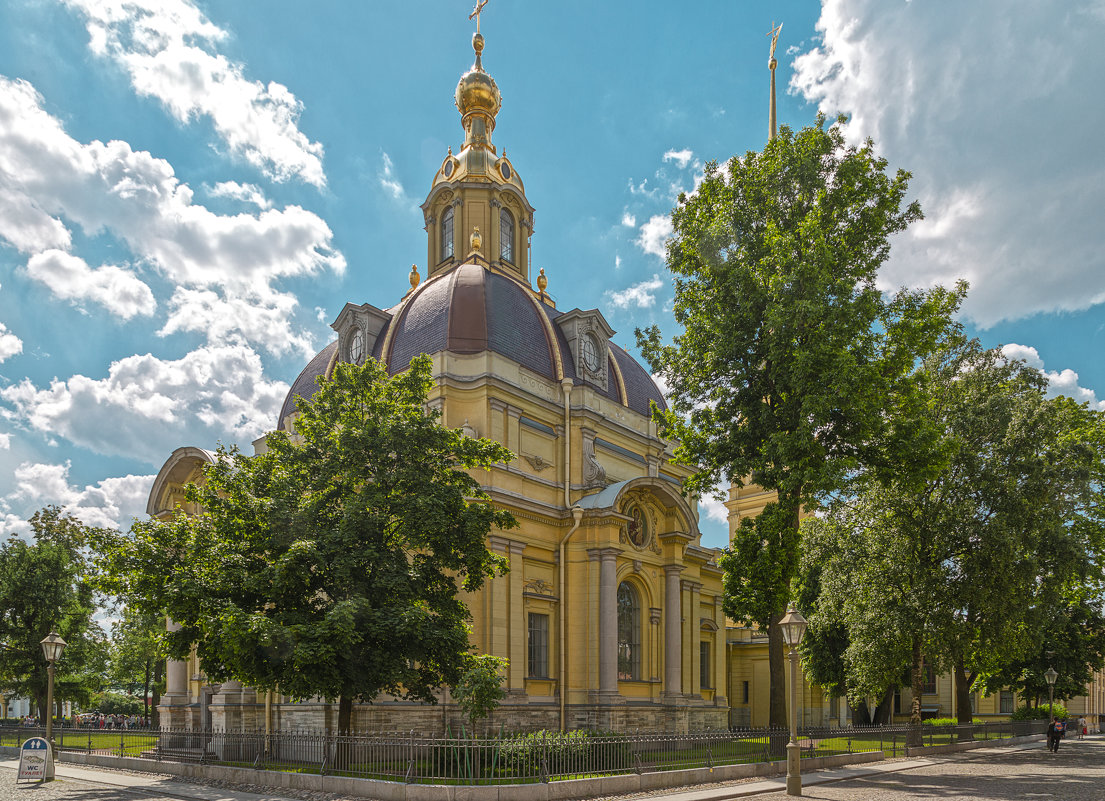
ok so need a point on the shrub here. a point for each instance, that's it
(946, 721)
(565, 752)
(1041, 712)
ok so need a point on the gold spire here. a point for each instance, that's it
(478, 98)
(771, 65)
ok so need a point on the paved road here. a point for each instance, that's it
(1076, 773)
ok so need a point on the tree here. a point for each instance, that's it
(330, 563)
(137, 659)
(789, 350)
(949, 559)
(44, 587)
(480, 688)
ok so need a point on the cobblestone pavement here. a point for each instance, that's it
(1075, 773)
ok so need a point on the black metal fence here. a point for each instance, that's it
(509, 759)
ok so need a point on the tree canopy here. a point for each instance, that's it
(45, 586)
(789, 350)
(955, 558)
(330, 563)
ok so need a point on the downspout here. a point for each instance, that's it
(566, 385)
(577, 515)
(268, 722)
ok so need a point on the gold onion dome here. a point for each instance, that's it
(477, 91)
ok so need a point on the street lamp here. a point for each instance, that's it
(1051, 676)
(52, 646)
(794, 628)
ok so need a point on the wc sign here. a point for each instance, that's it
(36, 761)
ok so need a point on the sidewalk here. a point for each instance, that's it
(146, 783)
(876, 773)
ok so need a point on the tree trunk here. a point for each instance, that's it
(963, 682)
(345, 714)
(777, 706)
(43, 712)
(146, 692)
(915, 680)
(885, 707)
(155, 713)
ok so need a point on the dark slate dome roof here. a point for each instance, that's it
(471, 309)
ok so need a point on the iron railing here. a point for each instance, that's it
(507, 759)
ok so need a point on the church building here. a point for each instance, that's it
(611, 612)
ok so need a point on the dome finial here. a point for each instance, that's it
(477, 96)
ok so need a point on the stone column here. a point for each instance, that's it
(518, 629)
(608, 621)
(695, 638)
(673, 624)
(721, 678)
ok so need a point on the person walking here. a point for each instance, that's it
(1082, 727)
(1055, 732)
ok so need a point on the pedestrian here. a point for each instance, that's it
(1054, 734)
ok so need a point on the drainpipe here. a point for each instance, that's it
(566, 385)
(268, 722)
(577, 515)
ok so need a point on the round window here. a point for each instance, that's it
(356, 347)
(450, 165)
(504, 168)
(590, 352)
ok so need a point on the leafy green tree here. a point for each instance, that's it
(330, 563)
(789, 351)
(137, 661)
(44, 587)
(480, 688)
(948, 560)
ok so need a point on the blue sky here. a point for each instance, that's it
(191, 191)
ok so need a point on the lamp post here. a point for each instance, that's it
(1051, 676)
(793, 626)
(52, 646)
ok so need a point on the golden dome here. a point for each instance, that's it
(477, 90)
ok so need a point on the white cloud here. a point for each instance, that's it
(10, 344)
(680, 157)
(713, 509)
(45, 175)
(628, 220)
(5, 441)
(167, 47)
(389, 182)
(258, 316)
(246, 193)
(1059, 382)
(111, 503)
(617, 262)
(641, 295)
(989, 114)
(70, 278)
(655, 234)
(146, 406)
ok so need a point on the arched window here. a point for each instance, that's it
(506, 236)
(447, 234)
(629, 632)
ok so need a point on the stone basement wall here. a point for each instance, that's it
(435, 720)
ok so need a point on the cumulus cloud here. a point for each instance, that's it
(5, 441)
(655, 234)
(713, 509)
(681, 157)
(146, 406)
(10, 344)
(1059, 382)
(641, 295)
(628, 220)
(988, 115)
(110, 503)
(45, 175)
(246, 193)
(70, 278)
(259, 316)
(168, 49)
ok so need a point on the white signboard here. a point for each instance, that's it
(36, 761)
